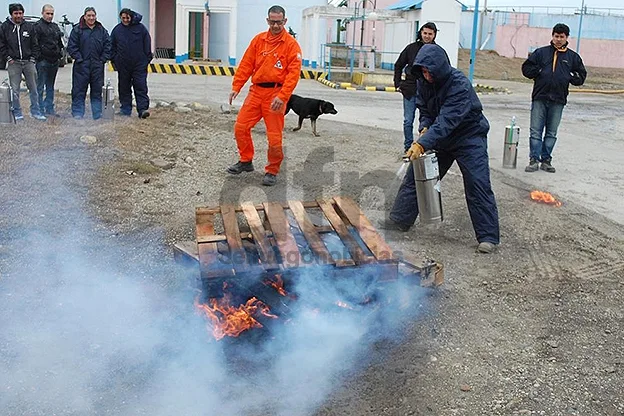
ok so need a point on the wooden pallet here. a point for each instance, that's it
(281, 237)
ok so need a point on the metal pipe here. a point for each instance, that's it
(473, 47)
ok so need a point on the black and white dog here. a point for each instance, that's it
(309, 108)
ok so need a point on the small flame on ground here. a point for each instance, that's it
(545, 197)
(277, 284)
(228, 320)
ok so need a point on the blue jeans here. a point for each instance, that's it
(409, 114)
(544, 115)
(15, 69)
(46, 76)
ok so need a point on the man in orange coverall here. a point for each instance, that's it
(273, 61)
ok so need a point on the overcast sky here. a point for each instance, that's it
(556, 3)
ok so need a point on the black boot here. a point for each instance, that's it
(240, 167)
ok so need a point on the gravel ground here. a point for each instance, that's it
(535, 328)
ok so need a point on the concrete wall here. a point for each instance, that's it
(165, 24)
(516, 34)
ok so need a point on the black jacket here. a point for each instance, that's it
(50, 40)
(448, 107)
(18, 42)
(552, 71)
(132, 44)
(406, 59)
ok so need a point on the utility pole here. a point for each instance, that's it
(484, 15)
(578, 39)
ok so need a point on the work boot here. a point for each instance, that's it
(547, 167)
(240, 167)
(144, 114)
(269, 179)
(533, 166)
(392, 225)
(486, 247)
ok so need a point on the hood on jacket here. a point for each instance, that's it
(135, 17)
(434, 58)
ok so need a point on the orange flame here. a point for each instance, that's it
(277, 284)
(545, 197)
(226, 319)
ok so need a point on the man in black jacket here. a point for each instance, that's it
(50, 40)
(552, 68)
(18, 44)
(407, 87)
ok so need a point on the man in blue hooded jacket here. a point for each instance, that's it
(132, 53)
(89, 45)
(453, 125)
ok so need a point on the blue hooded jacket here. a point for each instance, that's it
(448, 107)
(87, 44)
(132, 44)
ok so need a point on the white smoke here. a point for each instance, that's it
(96, 324)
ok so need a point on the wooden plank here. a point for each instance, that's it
(235, 243)
(380, 249)
(286, 243)
(259, 207)
(217, 238)
(267, 257)
(354, 248)
(310, 233)
(209, 265)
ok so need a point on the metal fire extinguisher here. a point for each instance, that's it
(428, 191)
(510, 149)
(6, 103)
(108, 112)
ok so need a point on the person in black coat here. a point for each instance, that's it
(89, 45)
(131, 54)
(453, 125)
(20, 48)
(407, 87)
(552, 68)
(50, 40)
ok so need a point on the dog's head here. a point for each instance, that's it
(327, 108)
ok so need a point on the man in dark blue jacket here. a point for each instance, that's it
(89, 45)
(552, 68)
(453, 125)
(131, 54)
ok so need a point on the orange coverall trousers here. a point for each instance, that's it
(257, 105)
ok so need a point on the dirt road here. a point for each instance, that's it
(96, 319)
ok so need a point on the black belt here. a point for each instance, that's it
(268, 84)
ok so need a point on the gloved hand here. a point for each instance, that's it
(415, 151)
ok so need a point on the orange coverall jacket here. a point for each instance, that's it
(271, 60)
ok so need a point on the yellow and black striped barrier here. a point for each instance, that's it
(351, 87)
(216, 70)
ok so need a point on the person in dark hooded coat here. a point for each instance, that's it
(132, 53)
(453, 125)
(89, 46)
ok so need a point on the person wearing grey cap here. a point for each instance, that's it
(90, 46)
(19, 45)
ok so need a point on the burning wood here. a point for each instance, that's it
(228, 320)
(277, 284)
(545, 198)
